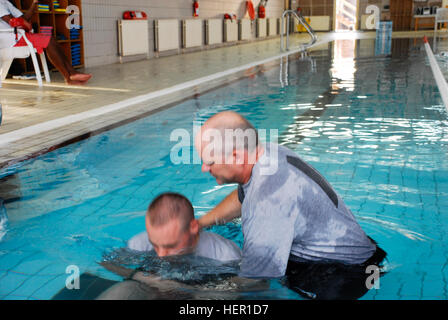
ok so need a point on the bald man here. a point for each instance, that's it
(291, 216)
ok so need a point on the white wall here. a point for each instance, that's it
(100, 20)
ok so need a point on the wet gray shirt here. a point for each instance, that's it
(295, 213)
(210, 245)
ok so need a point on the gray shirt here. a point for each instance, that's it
(295, 213)
(210, 245)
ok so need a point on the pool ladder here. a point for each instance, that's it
(301, 21)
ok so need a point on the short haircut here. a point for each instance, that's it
(168, 206)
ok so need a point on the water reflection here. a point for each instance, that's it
(306, 123)
(284, 67)
(343, 68)
(381, 143)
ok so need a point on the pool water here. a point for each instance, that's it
(374, 126)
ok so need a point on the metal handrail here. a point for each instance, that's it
(302, 21)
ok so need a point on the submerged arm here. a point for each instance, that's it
(238, 283)
(150, 280)
(246, 284)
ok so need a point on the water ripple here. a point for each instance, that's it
(413, 235)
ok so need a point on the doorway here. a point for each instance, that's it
(345, 15)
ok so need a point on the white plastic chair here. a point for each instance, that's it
(441, 17)
(7, 55)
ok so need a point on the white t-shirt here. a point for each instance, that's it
(7, 40)
(210, 245)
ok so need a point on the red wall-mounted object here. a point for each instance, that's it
(135, 15)
(195, 9)
(250, 9)
(261, 12)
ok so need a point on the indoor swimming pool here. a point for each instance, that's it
(374, 126)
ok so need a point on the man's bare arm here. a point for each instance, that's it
(27, 26)
(227, 210)
(29, 13)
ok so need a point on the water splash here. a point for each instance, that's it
(217, 188)
(184, 268)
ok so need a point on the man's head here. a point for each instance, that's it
(228, 146)
(171, 226)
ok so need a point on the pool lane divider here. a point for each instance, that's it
(30, 131)
(438, 75)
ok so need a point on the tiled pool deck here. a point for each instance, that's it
(36, 120)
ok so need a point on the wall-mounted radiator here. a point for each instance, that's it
(192, 33)
(261, 28)
(230, 30)
(166, 35)
(213, 31)
(272, 27)
(133, 37)
(245, 29)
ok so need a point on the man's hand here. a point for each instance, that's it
(20, 23)
(7, 18)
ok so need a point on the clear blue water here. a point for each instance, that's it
(381, 140)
